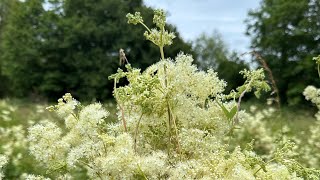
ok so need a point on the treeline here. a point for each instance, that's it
(287, 35)
(49, 47)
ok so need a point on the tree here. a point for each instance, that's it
(20, 40)
(73, 45)
(286, 34)
(212, 52)
(4, 11)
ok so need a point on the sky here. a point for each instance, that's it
(193, 17)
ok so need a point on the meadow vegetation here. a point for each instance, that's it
(170, 121)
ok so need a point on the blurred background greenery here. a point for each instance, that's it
(49, 47)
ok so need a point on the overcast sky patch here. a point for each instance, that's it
(193, 17)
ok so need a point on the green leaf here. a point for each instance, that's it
(224, 109)
(229, 114)
(233, 112)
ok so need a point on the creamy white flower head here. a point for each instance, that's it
(253, 108)
(278, 171)
(310, 92)
(67, 108)
(46, 144)
(154, 165)
(94, 113)
(33, 177)
(3, 160)
(90, 119)
(70, 121)
(240, 172)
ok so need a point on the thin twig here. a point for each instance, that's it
(271, 77)
(236, 121)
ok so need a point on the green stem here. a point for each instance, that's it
(161, 42)
(162, 53)
(123, 119)
(239, 102)
(319, 70)
(176, 131)
(136, 133)
(142, 173)
(169, 126)
(145, 27)
(261, 166)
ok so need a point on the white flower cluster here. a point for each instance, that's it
(3, 162)
(33, 177)
(254, 126)
(173, 120)
(313, 94)
(312, 149)
(159, 36)
(170, 127)
(6, 111)
(13, 146)
(15, 139)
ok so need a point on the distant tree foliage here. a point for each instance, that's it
(48, 48)
(212, 52)
(287, 34)
(4, 4)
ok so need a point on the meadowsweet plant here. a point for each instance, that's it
(3, 162)
(172, 122)
(311, 151)
(255, 126)
(317, 59)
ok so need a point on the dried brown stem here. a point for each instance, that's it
(271, 77)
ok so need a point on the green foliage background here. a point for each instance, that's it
(71, 46)
(286, 34)
(211, 51)
(51, 47)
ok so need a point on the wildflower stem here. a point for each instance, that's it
(97, 173)
(169, 125)
(273, 82)
(262, 167)
(123, 119)
(239, 101)
(142, 173)
(145, 26)
(162, 53)
(121, 108)
(136, 133)
(176, 131)
(161, 42)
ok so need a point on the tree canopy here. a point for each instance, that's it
(286, 34)
(48, 48)
(212, 52)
